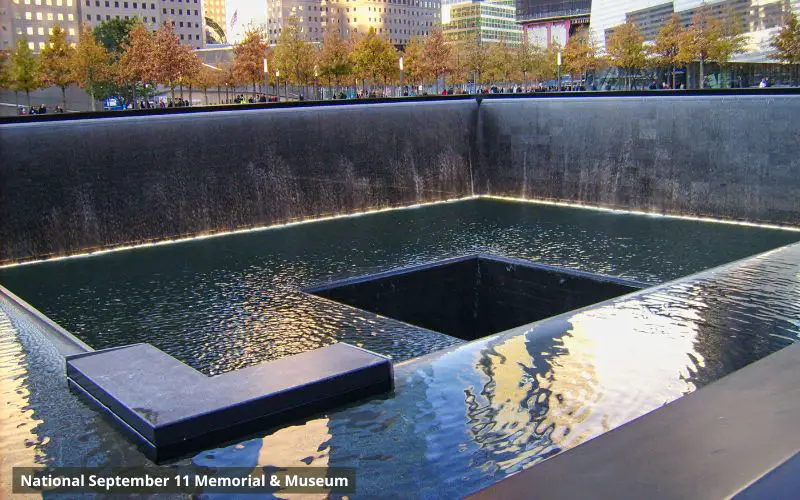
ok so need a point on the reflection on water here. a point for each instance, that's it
(16, 414)
(459, 419)
(225, 303)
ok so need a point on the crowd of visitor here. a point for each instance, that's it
(37, 110)
(258, 98)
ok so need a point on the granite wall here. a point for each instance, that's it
(72, 185)
(730, 157)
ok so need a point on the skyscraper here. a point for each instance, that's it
(32, 20)
(397, 20)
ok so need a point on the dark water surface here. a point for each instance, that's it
(459, 419)
(225, 303)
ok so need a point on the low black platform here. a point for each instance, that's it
(169, 409)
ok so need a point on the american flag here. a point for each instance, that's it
(234, 18)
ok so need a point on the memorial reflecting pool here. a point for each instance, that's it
(460, 418)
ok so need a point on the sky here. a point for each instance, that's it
(248, 12)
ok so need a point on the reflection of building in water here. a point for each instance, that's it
(19, 421)
(542, 395)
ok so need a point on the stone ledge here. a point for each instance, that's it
(169, 409)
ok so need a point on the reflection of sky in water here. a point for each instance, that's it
(463, 418)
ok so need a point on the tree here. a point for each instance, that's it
(227, 77)
(294, 56)
(248, 62)
(191, 67)
(414, 67)
(625, 48)
(55, 62)
(709, 38)
(501, 62)
(437, 55)
(24, 69)
(90, 63)
(580, 56)
(374, 57)
(731, 39)
(668, 44)
(547, 63)
(113, 34)
(173, 63)
(137, 63)
(5, 79)
(217, 30)
(527, 57)
(205, 78)
(459, 72)
(334, 58)
(787, 41)
(478, 59)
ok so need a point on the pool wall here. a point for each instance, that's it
(726, 157)
(77, 184)
(82, 184)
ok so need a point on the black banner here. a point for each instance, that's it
(191, 480)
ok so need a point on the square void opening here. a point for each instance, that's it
(475, 296)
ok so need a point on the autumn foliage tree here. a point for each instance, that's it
(374, 57)
(334, 58)
(55, 62)
(527, 57)
(136, 65)
(625, 49)
(173, 62)
(666, 48)
(24, 70)
(478, 58)
(5, 80)
(414, 66)
(437, 55)
(248, 62)
(501, 62)
(294, 56)
(90, 63)
(710, 39)
(580, 56)
(204, 79)
(227, 77)
(787, 41)
(458, 62)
